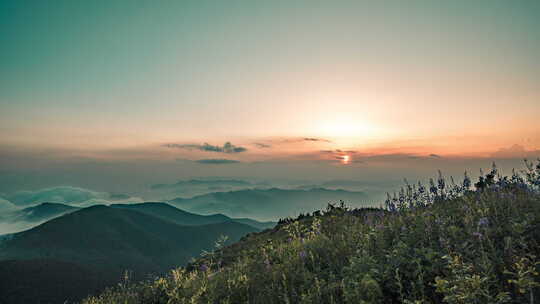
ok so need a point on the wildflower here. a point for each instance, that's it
(421, 188)
(466, 181)
(440, 181)
(203, 268)
(483, 221)
(267, 263)
(302, 254)
(477, 235)
(432, 187)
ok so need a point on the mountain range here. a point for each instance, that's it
(99, 243)
(268, 204)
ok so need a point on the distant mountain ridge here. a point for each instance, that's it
(35, 215)
(205, 182)
(43, 211)
(264, 204)
(170, 213)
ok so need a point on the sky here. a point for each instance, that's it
(117, 95)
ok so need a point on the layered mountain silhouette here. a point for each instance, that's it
(118, 238)
(101, 242)
(192, 187)
(167, 212)
(267, 204)
(204, 182)
(170, 213)
(32, 216)
(42, 212)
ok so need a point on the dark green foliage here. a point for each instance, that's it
(439, 244)
(49, 281)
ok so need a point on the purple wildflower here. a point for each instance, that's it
(267, 263)
(302, 254)
(478, 235)
(483, 221)
(466, 181)
(203, 268)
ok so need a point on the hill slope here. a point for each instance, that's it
(117, 238)
(103, 242)
(444, 245)
(181, 217)
(167, 212)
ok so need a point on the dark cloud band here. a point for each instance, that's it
(226, 148)
(217, 161)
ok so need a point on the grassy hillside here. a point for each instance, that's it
(256, 224)
(440, 243)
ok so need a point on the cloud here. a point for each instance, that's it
(204, 182)
(515, 151)
(6, 206)
(66, 195)
(217, 161)
(339, 151)
(315, 139)
(63, 194)
(435, 155)
(73, 196)
(226, 148)
(262, 146)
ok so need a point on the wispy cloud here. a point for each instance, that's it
(315, 139)
(262, 145)
(339, 151)
(226, 148)
(516, 151)
(217, 161)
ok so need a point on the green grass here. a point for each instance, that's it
(449, 245)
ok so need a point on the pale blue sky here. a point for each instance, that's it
(116, 80)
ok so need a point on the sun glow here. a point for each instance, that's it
(345, 128)
(345, 159)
